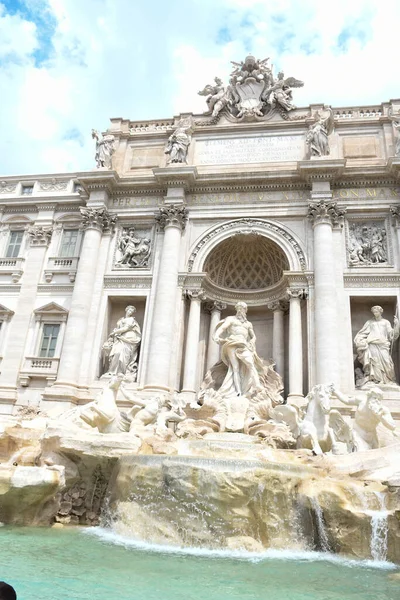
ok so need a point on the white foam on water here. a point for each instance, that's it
(108, 536)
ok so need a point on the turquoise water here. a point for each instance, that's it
(74, 564)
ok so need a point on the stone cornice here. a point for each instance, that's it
(99, 180)
(176, 176)
(322, 169)
(393, 166)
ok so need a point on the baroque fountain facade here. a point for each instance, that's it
(199, 338)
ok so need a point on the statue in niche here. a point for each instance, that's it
(122, 347)
(179, 141)
(317, 136)
(367, 244)
(133, 251)
(373, 344)
(241, 378)
(105, 148)
(369, 414)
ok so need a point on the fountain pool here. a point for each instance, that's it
(81, 564)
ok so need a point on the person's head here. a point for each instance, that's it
(7, 591)
(374, 399)
(241, 308)
(130, 310)
(377, 311)
(131, 232)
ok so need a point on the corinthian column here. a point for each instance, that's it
(278, 336)
(172, 219)
(295, 345)
(192, 340)
(323, 215)
(213, 349)
(94, 222)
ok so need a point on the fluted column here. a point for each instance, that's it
(172, 219)
(94, 222)
(324, 215)
(192, 340)
(213, 349)
(278, 336)
(39, 238)
(295, 345)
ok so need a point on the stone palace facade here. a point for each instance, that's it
(295, 211)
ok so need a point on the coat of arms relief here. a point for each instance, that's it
(253, 93)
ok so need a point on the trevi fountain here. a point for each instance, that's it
(199, 388)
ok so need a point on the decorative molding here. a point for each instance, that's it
(129, 282)
(326, 212)
(7, 188)
(65, 288)
(39, 235)
(5, 313)
(54, 185)
(362, 280)
(12, 288)
(172, 216)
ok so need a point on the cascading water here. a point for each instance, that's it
(321, 529)
(379, 530)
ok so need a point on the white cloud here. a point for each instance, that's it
(110, 58)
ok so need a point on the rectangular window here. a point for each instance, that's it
(27, 190)
(69, 242)
(14, 244)
(49, 340)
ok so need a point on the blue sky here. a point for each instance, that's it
(69, 65)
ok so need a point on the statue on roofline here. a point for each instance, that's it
(253, 91)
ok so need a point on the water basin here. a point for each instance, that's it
(79, 564)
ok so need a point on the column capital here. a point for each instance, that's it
(280, 305)
(296, 293)
(39, 235)
(172, 216)
(98, 218)
(214, 305)
(198, 294)
(395, 213)
(325, 212)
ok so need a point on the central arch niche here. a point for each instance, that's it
(246, 262)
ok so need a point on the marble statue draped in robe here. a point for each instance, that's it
(179, 141)
(122, 347)
(105, 148)
(317, 136)
(374, 344)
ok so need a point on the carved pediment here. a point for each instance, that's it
(52, 311)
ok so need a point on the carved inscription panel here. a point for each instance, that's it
(232, 151)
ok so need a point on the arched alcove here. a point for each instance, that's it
(246, 261)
